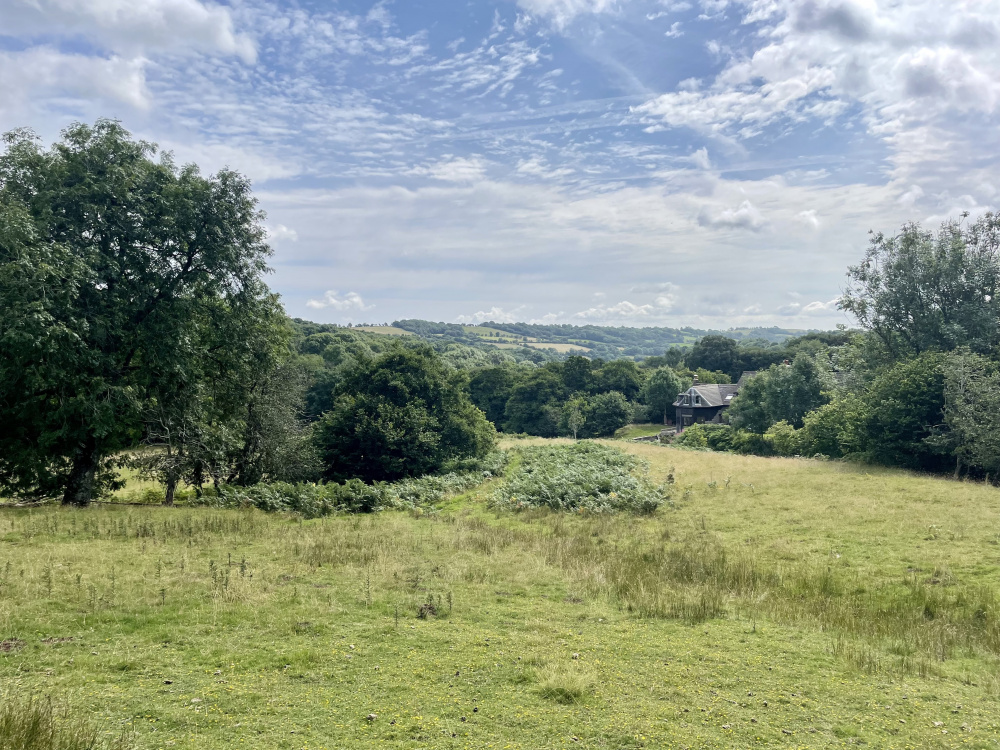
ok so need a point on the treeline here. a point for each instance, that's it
(603, 342)
(917, 387)
(137, 331)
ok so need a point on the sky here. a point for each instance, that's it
(707, 163)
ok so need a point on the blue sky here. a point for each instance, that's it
(712, 163)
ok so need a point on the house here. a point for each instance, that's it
(705, 402)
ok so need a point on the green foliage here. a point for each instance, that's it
(714, 353)
(573, 417)
(784, 439)
(830, 430)
(581, 477)
(900, 410)
(781, 392)
(919, 291)
(490, 389)
(694, 436)
(401, 415)
(660, 391)
(621, 376)
(606, 413)
(971, 413)
(126, 284)
(535, 403)
(314, 500)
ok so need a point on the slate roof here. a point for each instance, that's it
(713, 394)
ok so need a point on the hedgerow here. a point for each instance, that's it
(581, 477)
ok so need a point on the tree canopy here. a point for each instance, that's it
(117, 275)
(919, 291)
(401, 414)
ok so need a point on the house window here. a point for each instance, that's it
(697, 400)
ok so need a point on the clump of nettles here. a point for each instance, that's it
(584, 477)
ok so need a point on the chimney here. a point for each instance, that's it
(695, 380)
(786, 363)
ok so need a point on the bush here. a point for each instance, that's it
(581, 477)
(785, 440)
(606, 413)
(403, 414)
(694, 436)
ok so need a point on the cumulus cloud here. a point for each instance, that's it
(29, 75)
(626, 311)
(744, 216)
(351, 302)
(494, 314)
(820, 308)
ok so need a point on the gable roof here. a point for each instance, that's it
(713, 394)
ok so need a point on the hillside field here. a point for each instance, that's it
(778, 602)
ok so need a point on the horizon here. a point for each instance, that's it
(705, 164)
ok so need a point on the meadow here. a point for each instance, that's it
(767, 602)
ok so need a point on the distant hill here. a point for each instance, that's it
(606, 342)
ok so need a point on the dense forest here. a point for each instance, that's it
(138, 332)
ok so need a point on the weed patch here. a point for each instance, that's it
(584, 477)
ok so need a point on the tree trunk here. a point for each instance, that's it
(80, 485)
(168, 494)
(664, 417)
(958, 466)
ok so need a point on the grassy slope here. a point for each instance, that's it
(265, 660)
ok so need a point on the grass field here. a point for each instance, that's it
(778, 602)
(638, 430)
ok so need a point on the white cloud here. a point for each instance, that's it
(809, 218)
(494, 314)
(924, 75)
(675, 31)
(280, 232)
(700, 159)
(131, 27)
(351, 302)
(624, 310)
(26, 77)
(562, 12)
(820, 308)
(745, 216)
(453, 169)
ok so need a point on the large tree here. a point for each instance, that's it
(780, 393)
(715, 352)
(919, 291)
(402, 414)
(661, 389)
(112, 265)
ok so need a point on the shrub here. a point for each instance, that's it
(694, 436)
(581, 477)
(785, 440)
(606, 413)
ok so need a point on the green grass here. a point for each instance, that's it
(639, 430)
(779, 602)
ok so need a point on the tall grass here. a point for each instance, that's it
(36, 724)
